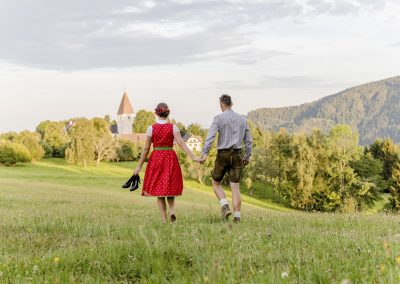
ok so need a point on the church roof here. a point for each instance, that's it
(125, 107)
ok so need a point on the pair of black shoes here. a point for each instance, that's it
(132, 183)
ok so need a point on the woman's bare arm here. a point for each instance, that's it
(184, 147)
(145, 153)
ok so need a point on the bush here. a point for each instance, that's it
(31, 140)
(127, 150)
(12, 153)
(9, 136)
(48, 150)
(395, 189)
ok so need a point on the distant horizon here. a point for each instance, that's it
(74, 59)
(217, 110)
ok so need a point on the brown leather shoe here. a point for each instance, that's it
(172, 218)
(236, 219)
(225, 212)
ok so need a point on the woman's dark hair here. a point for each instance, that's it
(226, 100)
(162, 110)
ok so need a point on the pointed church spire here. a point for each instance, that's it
(125, 107)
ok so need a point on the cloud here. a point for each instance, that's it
(296, 82)
(281, 82)
(140, 7)
(244, 55)
(73, 35)
(395, 44)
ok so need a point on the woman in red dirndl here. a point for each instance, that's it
(163, 177)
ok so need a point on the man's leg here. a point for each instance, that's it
(236, 200)
(220, 193)
(218, 174)
(235, 173)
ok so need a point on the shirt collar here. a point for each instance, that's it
(161, 121)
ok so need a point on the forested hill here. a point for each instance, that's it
(373, 109)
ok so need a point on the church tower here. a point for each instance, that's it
(125, 116)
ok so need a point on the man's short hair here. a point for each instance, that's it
(226, 100)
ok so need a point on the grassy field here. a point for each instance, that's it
(65, 224)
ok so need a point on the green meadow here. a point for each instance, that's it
(66, 224)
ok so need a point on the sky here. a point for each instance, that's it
(63, 59)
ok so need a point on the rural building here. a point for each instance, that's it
(193, 142)
(125, 119)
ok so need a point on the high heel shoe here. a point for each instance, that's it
(128, 183)
(135, 183)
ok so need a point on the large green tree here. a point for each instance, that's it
(370, 175)
(54, 135)
(143, 120)
(388, 153)
(12, 153)
(343, 144)
(10, 136)
(104, 143)
(256, 133)
(302, 173)
(81, 149)
(281, 147)
(32, 141)
(181, 126)
(395, 188)
(197, 129)
(127, 150)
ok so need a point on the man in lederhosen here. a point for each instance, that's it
(233, 131)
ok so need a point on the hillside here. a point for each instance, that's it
(373, 109)
(65, 224)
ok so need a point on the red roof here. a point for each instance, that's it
(135, 137)
(125, 107)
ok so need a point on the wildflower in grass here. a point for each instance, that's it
(346, 281)
(387, 248)
(397, 259)
(35, 269)
(284, 275)
(56, 260)
(382, 268)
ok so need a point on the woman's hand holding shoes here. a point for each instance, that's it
(136, 171)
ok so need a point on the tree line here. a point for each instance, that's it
(327, 172)
(79, 140)
(317, 171)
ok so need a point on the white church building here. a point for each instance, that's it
(125, 119)
(124, 127)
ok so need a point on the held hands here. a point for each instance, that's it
(200, 160)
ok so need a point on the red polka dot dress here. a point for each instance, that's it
(163, 175)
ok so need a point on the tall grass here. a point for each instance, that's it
(63, 224)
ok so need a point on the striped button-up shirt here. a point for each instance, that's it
(233, 131)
